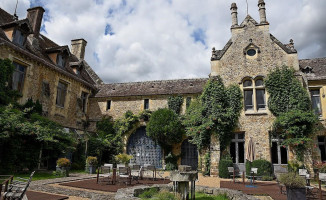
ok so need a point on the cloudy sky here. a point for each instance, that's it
(139, 40)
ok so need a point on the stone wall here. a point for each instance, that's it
(36, 73)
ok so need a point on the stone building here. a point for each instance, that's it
(71, 92)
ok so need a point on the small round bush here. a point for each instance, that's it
(63, 162)
(223, 168)
(292, 180)
(264, 167)
(91, 161)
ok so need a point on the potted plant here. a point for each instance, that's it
(123, 158)
(63, 166)
(295, 186)
(91, 163)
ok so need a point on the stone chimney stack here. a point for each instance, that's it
(34, 16)
(262, 11)
(234, 14)
(78, 48)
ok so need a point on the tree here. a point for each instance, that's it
(216, 112)
(165, 127)
(290, 103)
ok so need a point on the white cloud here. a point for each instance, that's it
(152, 40)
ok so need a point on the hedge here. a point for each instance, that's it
(223, 168)
(264, 167)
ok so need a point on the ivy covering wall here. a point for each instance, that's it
(289, 101)
(215, 112)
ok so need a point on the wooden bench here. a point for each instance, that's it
(4, 184)
(17, 188)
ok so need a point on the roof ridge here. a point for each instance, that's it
(155, 81)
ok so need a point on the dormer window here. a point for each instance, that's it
(60, 61)
(18, 37)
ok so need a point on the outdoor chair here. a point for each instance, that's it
(151, 168)
(322, 178)
(280, 185)
(135, 172)
(104, 174)
(120, 165)
(234, 174)
(17, 189)
(252, 175)
(304, 174)
(125, 172)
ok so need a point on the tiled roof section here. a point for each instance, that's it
(314, 69)
(287, 48)
(164, 87)
(38, 47)
(217, 54)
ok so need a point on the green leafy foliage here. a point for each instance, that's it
(207, 164)
(171, 162)
(175, 103)
(223, 167)
(290, 103)
(292, 180)
(6, 94)
(165, 127)
(264, 167)
(216, 111)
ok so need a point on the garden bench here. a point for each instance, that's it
(235, 174)
(5, 183)
(17, 189)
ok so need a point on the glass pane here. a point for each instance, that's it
(259, 82)
(321, 138)
(247, 83)
(232, 151)
(251, 52)
(284, 155)
(146, 104)
(240, 135)
(274, 153)
(108, 105)
(241, 152)
(260, 99)
(248, 99)
(315, 100)
(322, 152)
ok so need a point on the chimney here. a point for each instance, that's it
(234, 14)
(262, 12)
(34, 16)
(78, 48)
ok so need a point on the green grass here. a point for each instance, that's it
(37, 175)
(203, 196)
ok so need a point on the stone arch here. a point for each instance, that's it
(143, 149)
(189, 154)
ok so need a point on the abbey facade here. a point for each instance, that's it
(72, 93)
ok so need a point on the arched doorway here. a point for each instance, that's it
(143, 149)
(189, 154)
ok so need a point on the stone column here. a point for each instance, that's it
(262, 11)
(215, 155)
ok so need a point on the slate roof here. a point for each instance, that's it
(314, 69)
(38, 47)
(147, 88)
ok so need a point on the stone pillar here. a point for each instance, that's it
(262, 12)
(215, 155)
(234, 14)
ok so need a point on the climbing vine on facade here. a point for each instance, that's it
(216, 112)
(290, 103)
(175, 103)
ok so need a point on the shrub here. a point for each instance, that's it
(91, 161)
(63, 162)
(264, 167)
(321, 166)
(267, 178)
(123, 158)
(223, 167)
(148, 193)
(171, 162)
(292, 180)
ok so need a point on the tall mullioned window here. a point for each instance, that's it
(315, 100)
(237, 149)
(18, 77)
(61, 94)
(254, 95)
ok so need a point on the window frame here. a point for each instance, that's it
(146, 104)
(108, 104)
(21, 74)
(321, 143)
(279, 141)
(84, 98)
(61, 91)
(236, 140)
(16, 39)
(254, 88)
(312, 96)
(61, 63)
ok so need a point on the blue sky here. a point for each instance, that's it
(138, 40)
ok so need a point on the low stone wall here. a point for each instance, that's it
(133, 192)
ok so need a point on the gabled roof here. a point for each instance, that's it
(38, 46)
(316, 66)
(286, 47)
(247, 20)
(147, 88)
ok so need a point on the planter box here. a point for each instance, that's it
(296, 193)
